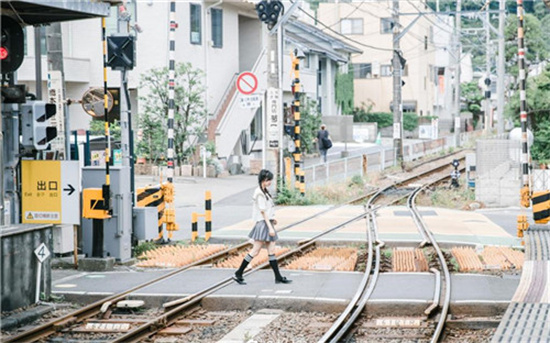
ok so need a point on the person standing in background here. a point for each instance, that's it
(323, 142)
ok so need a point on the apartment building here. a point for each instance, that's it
(425, 47)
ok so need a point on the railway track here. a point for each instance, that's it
(345, 326)
(177, 309)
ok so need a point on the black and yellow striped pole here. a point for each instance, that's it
(208, 215)
(194, 226)
(296, 111)
(207, 219)
(106, 186)
(525, 190)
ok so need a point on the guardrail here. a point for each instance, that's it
(341, 169)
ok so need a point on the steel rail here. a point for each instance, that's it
(93, 309)
(357, 303)
(152, 327)
(447, 300)
(350, 315)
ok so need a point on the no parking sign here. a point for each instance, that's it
(247, 83)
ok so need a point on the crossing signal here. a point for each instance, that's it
(37, 130)
(268, 11)
(12, 49)
(121, 52)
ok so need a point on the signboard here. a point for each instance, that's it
(42, 252)
(435, 128)
(396, 130)
(457, 124)
(250, 101)
(97, 158)
(56, 96)
(247, 83)
(273, 112)
(50, 192)
(117, 157)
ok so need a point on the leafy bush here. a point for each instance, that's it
(541, 145)
(143, 247)
(357, 180)
(291, 196)
(310, 122)
(383, 119)
(410, 121)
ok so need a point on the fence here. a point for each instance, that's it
(368, 161)
(541, 179)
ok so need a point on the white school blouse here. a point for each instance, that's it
(262, 203)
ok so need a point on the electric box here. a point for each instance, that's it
(117, 230)
(145, 223)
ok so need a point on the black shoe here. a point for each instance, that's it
(239, 280)
(283, 280)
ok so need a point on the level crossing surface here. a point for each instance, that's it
(310, 290)
(527, 319)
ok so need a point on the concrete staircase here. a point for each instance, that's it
(230, 119)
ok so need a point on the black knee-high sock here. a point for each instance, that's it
(275, 267)
(244, 264)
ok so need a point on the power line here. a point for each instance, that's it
(341, 35)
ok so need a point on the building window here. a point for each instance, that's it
(217, 28)
(195, 20)
(362, 71)
(351, 26)
(386, 70)
(386, 25)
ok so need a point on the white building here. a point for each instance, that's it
(221, 38)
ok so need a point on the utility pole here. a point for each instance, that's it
(397, 96)
(488, 119)
(500, 67)
(55, 63)
(456, 110)
(525, 192)
(123, 22)
(273, 107)
(268, 12)
(38, 61)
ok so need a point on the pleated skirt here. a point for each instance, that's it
(260, 232)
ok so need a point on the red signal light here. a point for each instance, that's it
(3, 53)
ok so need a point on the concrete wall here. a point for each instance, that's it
(20, 265)
(497, 177)
(340, 128)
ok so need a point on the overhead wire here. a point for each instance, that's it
(340, 34)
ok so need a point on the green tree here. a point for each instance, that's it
(310, 121)
(97, 127)
(536, 48)
(538, 111)
(189, 116)
(473, 97)
(344, 91)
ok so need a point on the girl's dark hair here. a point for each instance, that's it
(263, 176)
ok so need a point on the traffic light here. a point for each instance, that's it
(36, 129)
(12, 49)
(268, 11)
